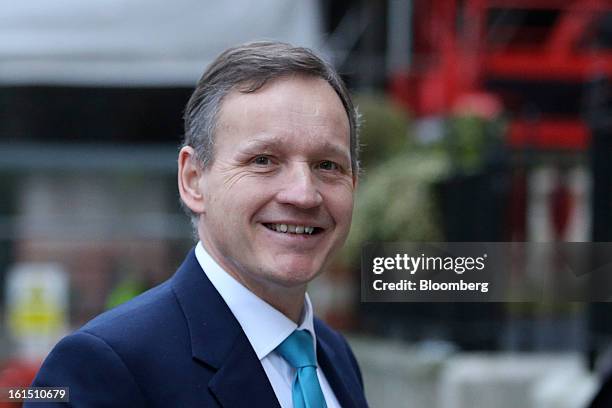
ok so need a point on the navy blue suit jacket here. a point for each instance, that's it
(179, 345)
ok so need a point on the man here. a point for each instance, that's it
(267, 172)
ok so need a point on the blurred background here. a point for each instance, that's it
(484, 120)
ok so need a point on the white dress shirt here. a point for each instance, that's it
(265, 327)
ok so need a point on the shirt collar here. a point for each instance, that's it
(264, 326)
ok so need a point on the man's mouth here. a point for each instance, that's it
(294, 229)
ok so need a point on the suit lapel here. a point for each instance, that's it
(242, 381)
(218, 341)
(326, 358)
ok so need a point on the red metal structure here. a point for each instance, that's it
(536, 57)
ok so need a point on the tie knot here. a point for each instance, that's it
(297, 349)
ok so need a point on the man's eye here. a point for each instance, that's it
(328, 165)
(262, 160)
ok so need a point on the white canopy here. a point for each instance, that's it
(138, 42)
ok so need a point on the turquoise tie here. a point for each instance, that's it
(298, 351)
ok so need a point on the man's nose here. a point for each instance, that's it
(300, 188)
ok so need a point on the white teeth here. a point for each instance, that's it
(293, 229)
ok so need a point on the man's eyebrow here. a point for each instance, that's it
(336, 150)
(277, 142)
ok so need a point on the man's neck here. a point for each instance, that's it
(287, 300)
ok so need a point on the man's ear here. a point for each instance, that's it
(189, 180)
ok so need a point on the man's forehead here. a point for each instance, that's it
(272, 88)
(288, 98)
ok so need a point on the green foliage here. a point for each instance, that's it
(395, 199)
(384, 131)
(469, 139)
(395, 202)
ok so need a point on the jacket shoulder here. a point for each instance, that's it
(95, 374)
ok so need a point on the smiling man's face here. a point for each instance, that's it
(278, 195)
